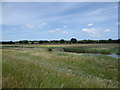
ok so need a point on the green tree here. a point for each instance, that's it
(25, 41)
(62, 41)
(73, 40)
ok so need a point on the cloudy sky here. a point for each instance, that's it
(59, 20)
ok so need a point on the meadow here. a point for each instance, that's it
(36, 66)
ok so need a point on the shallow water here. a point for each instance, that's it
(112, 55)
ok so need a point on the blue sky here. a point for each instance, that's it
(59, 20)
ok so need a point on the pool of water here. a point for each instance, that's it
(112, 55)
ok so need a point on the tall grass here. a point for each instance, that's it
(78, 48)
(39, 68)
(94, 49)
(87, 50)
(0, 68)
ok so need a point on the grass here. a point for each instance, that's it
(107, 49)
(87, 50)
(40, 68)
(0, 68)
(78, 48)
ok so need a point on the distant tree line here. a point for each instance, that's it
(62, 41)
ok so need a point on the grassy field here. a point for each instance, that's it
(107, 49)
(0, 68)
(36, 67)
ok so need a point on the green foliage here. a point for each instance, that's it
(108, 49)
(73, 40)
(39, 68)
(23, 42)
(62, 41)
(49, 49)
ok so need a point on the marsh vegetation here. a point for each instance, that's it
(46, 66)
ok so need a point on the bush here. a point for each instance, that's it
(49, 49)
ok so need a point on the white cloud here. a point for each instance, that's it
(90, 24)
(44, 23)
(29, 15)
(116, 6)
(41, 25)
(94, 12)
(65, 32)
(92, 31)
(118, 23)
(56, 30)
(107, 30)
(36, 25)
(29, 25)
(86, 30)
(59, 30)
(65, 26)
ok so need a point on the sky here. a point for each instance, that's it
(59, 20)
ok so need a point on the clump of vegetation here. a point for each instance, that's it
(107, 49)
(50, 49)
(62, 41)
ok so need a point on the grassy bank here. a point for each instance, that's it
(40, 68)
(102, 49)
(78, 48)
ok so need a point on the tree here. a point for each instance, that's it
(20, 42)
(62, 41)
(118, 40)
(11, 42)
(74, 40)
(110, 40)
(32, 42)
(40, 42)
(25, 41)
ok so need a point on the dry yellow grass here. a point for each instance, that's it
(53, 45)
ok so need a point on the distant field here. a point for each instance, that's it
(34, 66)
(78, 48)
(60, 45)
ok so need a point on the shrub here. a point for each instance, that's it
(49, 49)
